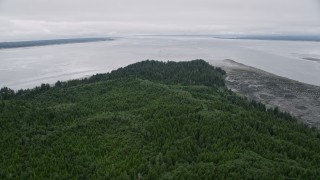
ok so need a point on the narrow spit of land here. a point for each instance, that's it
(21, 44)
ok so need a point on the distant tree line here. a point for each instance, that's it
(196, 72)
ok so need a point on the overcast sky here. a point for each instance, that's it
(38, 19)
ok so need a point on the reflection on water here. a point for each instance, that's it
(28, 67)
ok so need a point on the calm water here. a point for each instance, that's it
(28, 67)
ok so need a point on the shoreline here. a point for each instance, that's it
(51, 42)
(299, 99)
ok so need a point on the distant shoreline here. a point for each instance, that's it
(273, 38)
(302, 38)
(23, 44)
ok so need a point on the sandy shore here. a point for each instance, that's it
(300, 99)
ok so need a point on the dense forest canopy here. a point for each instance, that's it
(150, 120)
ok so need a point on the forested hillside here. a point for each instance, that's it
(150, 120)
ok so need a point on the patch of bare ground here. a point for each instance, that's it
(300, 99)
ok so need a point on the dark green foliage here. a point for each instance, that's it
(6, 93)
(196, 72)
(131, 124)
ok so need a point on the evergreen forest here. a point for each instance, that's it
(151, 120)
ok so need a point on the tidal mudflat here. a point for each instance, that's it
(300, 99)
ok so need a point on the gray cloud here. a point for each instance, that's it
(20, 19)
